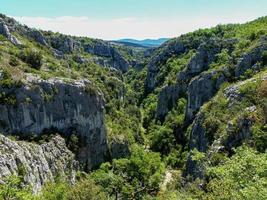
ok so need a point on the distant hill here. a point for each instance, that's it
(144, 43)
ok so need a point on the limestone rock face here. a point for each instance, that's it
(198, 141)
(168, 98)
(109, 56)
(248, 60)
(37, 36)
(204, 56)
(201, 89)
(69, 107)
(64, 44)
(236, 134)
(4, 30)
(41, 163)
(119, 148)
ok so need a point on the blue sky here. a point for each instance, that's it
(113, 19)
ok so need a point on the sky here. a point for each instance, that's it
(138, 19)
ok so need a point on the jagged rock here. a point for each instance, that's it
(112, 58)
(119, 62)
(41, 163)
(4, 30)
(238, 134)
(201, 89)
(233, 94)
(199, 142)
(249, 59)
(99, 48)
(68, 45)
(58, 54)
(204, 57)
(73, 106)
(65, 44)
(168, 98)
(37, 36)
(119, 148)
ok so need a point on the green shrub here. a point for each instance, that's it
(264, 57)
(55, 191)
(131, 178)
(86, 190)
(241, 177)
(32, 57)
(13, 61)
(15, 189)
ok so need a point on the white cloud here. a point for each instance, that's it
(126, 27)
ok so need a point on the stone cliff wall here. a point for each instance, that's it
(40, 163)
(67, 107)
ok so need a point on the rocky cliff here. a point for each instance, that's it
(37, 164)
(72, 107)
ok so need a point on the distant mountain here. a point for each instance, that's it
(145, 43)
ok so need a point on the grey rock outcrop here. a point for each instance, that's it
(238, 134)
(119, 148)
(248, 60)
(4, 30)
(168, 98)
(40, 163)
(201, 89)
(37, 36)
(63, 43)
(68, 107)
(107, 54)
(204, 56)
(199, 142)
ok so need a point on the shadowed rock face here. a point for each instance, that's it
(201, 89)
(168, 98)
(109, 56)
(53, 104)
(41, 163)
